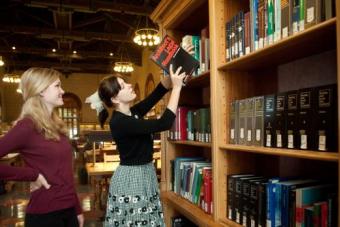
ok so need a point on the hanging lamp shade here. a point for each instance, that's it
(146, 37)
(123, 67)
(11, 78)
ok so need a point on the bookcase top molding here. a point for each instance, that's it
(170, 13)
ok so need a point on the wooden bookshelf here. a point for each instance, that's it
(178, 18)
(268, 70)
(190, 210)
(200, 80)
(190, 143)
(313, 40)
(315, 155)
(282, 66)
(227, 222)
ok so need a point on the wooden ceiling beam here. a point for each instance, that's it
(80, 36)
(68, 54)
(62, 67)
(87, 22)
(91, 6)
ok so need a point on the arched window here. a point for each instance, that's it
(149, 84)
(149, 87)
(70, 113)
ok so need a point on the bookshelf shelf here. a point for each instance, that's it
(322, 156)
(190, 143)
(230, 223)
(191, 211)
(200, 80)
(313, 40)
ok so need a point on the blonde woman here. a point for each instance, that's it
(41, 138)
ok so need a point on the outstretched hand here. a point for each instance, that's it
(189, 48)
(38, 183)
(177, 77)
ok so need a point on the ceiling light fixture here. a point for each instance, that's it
(11, 78)
(146, 36)
(54, 50)
(13, 47)
(123, 67)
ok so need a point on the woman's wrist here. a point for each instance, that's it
(166, 82)
(177, 87)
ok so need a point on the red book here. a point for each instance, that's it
(169, 52)
(207, 179)
(182, 123)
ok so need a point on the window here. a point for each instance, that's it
(70, 113)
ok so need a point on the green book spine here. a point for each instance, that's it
(270, 29)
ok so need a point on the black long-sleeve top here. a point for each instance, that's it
(134, 135)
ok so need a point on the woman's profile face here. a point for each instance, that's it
(126, 94)
(53, 94)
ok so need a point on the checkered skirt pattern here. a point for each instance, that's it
(134, 198)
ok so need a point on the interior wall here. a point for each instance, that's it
(81, 84)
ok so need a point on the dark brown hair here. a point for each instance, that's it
(108, 88)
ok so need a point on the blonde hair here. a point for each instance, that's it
(33, 82)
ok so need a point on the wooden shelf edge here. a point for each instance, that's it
(228, 222)
(188, 209)
(241, 60)
(202, 78)
(316, 155)
(190, 143)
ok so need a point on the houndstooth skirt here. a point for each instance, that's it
(134, 198)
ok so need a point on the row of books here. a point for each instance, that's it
(299, 119)
(192, 179)
(191, 124)
(258, 201)
(268, 21)
(201, 49)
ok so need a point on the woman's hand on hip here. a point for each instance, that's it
(80, 218)
(38, 183)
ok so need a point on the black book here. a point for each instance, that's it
(307, 105)
(258, 120)
(326, 118)
(242, 187)
(169, 52)
(262, 204)
(181, 222)
(231, 194)
(292, 111)
(269, 120)
(280, 120)
(250, 208)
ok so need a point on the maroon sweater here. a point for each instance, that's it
(51, 158)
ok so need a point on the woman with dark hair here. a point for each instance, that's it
(133, 198)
